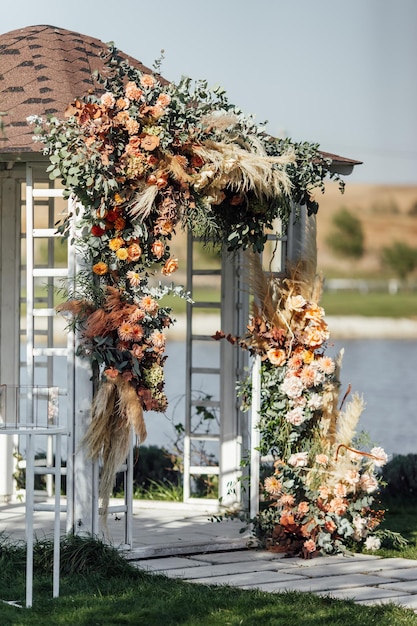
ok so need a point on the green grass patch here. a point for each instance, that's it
(401, 517)
(201, 294)
(373, 304)
(99, 587)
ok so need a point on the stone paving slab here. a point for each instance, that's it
(379, 567)
(248, 579)
(410, 586)
(165, 564)
(220, 569)
(409, 573)
(407, 602)
(359, 594)
(324, 583)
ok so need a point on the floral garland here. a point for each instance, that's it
(318, 498)
(142, 158)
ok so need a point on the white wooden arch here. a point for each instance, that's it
(30, 206)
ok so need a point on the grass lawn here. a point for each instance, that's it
(98, 587)
(374, 304)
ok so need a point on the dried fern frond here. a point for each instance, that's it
(78, 307)
(97, 324)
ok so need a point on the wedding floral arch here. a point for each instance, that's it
(144, 158)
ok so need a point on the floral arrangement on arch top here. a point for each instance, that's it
(143, 158)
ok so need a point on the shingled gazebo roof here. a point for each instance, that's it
(42, 70)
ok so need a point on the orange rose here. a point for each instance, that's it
(147, 80)
(163, 100)
(134, 252)
(100, 268)
(132, 91)
(170, 266)
(276, 356)
(122, 103)
(158, 249)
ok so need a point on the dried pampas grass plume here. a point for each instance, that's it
(116, 411)
(143, 202)
(242, 171)
(348, 420)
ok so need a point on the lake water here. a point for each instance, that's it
(384, 372)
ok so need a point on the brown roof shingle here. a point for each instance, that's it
(43, 69)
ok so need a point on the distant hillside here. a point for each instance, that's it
(387, 213)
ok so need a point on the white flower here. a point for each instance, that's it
(359, 524)
(299, 459)
(368, 483)
(292, 387)
(295, 416)
(372, 543)
(381, 456)
(315, 401)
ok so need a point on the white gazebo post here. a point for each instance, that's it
(82, 472)
(9, 311)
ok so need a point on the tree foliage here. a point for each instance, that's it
(347, 237)
(401, 258)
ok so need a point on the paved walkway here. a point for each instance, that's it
(183, 543)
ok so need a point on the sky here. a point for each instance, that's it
(340, 74)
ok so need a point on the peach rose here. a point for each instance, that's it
(134, 252)
(310, 545)
(163, 100)
(108, 100)
(132, 91)
(303, 508)
(158, 249)
(171, 265)
(276, 356)
(147, 80)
